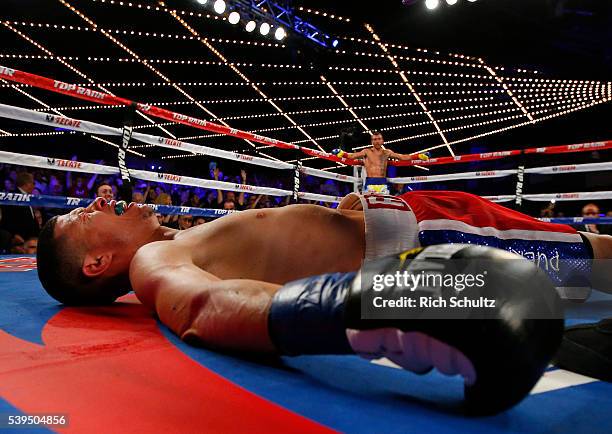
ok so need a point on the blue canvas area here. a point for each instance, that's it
(349, 394)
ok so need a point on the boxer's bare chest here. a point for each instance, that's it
(277, 245)
(376, 162)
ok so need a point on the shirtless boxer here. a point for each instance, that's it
(375, 159)
(233, 284)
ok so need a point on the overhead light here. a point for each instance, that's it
(234, 18)
(264, 29)
(471, 1)
(451, 2)
(202, 2)
(432, 4)
(219, 6)
(250, 26)
(280, 34)
(335, 43)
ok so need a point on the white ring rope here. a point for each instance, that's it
(548, 170)
(31, 116)
(165, 178)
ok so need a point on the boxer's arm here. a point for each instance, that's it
(408, 157)
(202, 309)
(356, 155)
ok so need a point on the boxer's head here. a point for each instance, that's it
(377, 139)
(84, 256)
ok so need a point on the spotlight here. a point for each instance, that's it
(264, 29)
(451, 2)
(471, 1)
(219, 6)
(430, 4)
(280, 34)
(250, 26)
(234, 18)
(202, 2)
(335, 43)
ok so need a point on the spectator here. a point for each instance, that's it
(9, 186)
(167, 220)
(229, 205)
(185, 222)
(138, 197)
(78, 189)
(590, 210)
(5, 238)
(230, 195)
(199, 221)
(30, 246)
(38, 218)
(210, 200)
(606, 229)
(549, 211)
(56, 186)
(184, 198)
(105, 191)
(253, 201)
(20, 221)
(194, 201)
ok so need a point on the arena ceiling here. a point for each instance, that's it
(478, 74)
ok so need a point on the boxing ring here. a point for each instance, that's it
(118, 369)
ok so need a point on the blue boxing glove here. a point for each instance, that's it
(339, 153)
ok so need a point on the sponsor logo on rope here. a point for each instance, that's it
(170, 142)
(244, 157)
(64, 163)
(189, 119)
(567, 195)
(486, 173)
(564, 168)
(169, 177)
(244, 187)
(63, 121)
(73, 201)
(16, 197)
(495, 154)
(78, 90)
(126, 135)
(7, 71)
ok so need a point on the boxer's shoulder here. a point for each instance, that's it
(152, 262)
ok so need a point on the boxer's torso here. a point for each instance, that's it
(375, 162)
(272, 245)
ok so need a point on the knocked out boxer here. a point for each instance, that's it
(286, 280)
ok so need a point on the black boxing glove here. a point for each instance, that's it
(501, 351)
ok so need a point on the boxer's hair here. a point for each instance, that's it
(377, 133)
(59, 263)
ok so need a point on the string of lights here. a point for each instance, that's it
(73, 69)
(206, 43)
(146, 64)
(448, 130)
(454, 118)
(139, 33)
(408, 84)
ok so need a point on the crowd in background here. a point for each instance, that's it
(20, 225)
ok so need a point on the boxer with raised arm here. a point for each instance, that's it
(375, 159)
